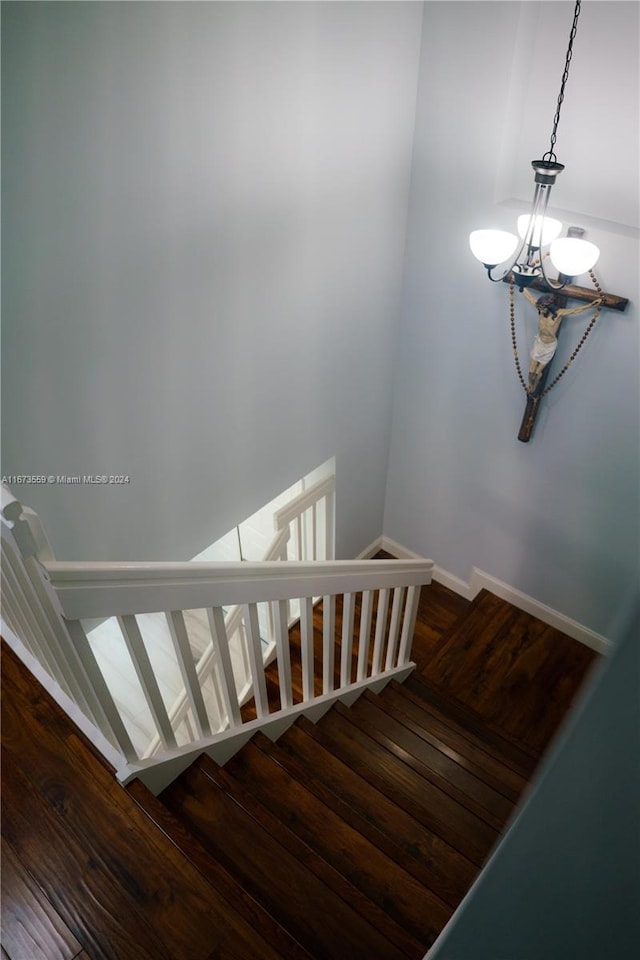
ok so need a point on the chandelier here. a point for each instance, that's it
(571, 255)
(523, 261)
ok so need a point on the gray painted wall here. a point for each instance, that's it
(564, 884)
(204, 214)
(556, 518)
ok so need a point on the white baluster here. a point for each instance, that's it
(365, 633)
(314, 532)
(191, 735)
(235, 625)
(56, 653)
(328, 642)
(256, 664)
(306, 647)
(112, 725)
(348, 616)
(299, 540)
(281, 630)
(182, 647)
(227, 682)
(329, 519)
(147, 678)
(394, 627)
(381, 629)
(11, 610)
(408, 625)
(21, 597)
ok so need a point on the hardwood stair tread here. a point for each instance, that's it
(323, 923)
(450, 820)
(495, 775)
(121, 888)
(415, 910)
(428, 759)
(451, 710)
(216, 875)
(436, 864)
(30, 925)
(515, 671)
(497, 772)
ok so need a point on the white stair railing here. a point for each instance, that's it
(48, 599)
(303, 530)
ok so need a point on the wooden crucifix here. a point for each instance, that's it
(552, 309)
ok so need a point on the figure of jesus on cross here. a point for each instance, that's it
(550, 316)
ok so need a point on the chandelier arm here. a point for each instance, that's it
(507, 270)
(552, 284)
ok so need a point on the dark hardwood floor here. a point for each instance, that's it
(91, 870)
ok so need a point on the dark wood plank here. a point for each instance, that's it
(469, 724)
(462, 739)
(439, 812)
(430, 763)
(500, 776)
(416, 910)
(31, 928)
(121, 887)
(255, 783)
(320, 921)
(435, 863)
(222, 880)
(89, 899)
(520, 675)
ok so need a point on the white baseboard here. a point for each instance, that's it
(372, 549)
(577, 631)
(480, 580)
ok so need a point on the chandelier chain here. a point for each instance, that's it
(550, 154)
(512, 320)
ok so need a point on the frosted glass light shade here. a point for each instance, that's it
(547, 226)
(491, 247)
(572, 256)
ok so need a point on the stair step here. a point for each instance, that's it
(117, 883)
(216, 875)
(423, 854)
(330, 849)
(429, 762)
(437, 810)
(516, 672)
(319, 920)
(451, 710)
(449, 735)
(377, 886)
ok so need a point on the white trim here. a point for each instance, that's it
(454, 583)
(398, 550)
(372, 549)
(158, 773)
(577, 631)
(480, 580)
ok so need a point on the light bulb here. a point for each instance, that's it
(549, 228)
(491, 247)
(571, 256)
